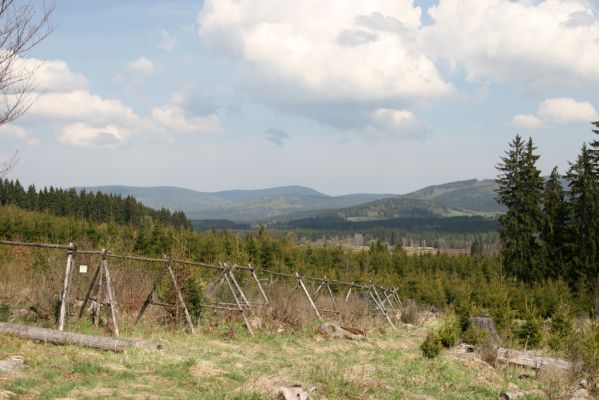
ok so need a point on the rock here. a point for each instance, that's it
(295, 392)
(485, 323)
(581, 394)
(333, 330)
(12, 364)
(280, 329)
(256, 323)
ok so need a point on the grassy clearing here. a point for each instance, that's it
(214, 366)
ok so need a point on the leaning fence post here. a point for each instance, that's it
(382, 309)
(64, 295)
(301, 284)
(239, 307)
(180, 296)
(259, 285)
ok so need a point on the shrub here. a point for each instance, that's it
(561, 326)
(475, 336)
(449, 334)
(583, 348)
(431, 347)
(4, 312)
(529, 333)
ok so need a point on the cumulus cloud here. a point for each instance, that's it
(85, 135)
(526, 121)
(565, 110)
(52, 75)
(277, 136)
(394, 123)
(314, 58)
(141, 66)
(529, 43)
(561, 110)
(167, 41)
(173, 117)
(64, 104)
(16, 132)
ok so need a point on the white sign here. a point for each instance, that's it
(83, 269)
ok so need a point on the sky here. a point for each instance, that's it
(378, 96)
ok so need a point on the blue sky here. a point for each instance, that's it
(378, 96)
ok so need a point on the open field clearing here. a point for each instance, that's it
(228, 364)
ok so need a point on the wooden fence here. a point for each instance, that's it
(383, 301)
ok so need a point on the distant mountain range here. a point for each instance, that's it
(283, 204)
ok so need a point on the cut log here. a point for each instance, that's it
(77, 339)
(524, 359)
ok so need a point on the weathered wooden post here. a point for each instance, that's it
(301, 284)
(111, 297)
(64, 295)
(259, 285)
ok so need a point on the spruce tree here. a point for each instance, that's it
(554, 233)
(520, 190)
(594, 150)
(584, 217)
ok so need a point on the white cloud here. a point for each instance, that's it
(64, 105)
(173, 117)
(526, 121)
(561, 110)
(529, 43)
(52, 75)
(311, 57)
(393, 123)
(167, 41)
(85, 135)
(81, 105)
(141, 66)
(17, 132)
(566, 110)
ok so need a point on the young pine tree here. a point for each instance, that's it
(520, 190)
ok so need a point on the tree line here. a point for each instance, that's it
(89, 206)
(551, 227)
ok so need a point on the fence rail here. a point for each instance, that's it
(385, 300)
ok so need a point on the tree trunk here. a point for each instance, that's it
(77, 339)
(529, 360)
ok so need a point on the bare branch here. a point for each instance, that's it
(22, 27)
(7, 166)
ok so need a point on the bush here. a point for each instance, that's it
(583, 348)
(475, 336)
(431, 347)
(4, 312)
(529, 334)
(562, 325)
(449, 334)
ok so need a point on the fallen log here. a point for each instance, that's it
(524, 359)
(77, 339)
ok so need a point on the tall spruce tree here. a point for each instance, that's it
(520, 190)
(584, 217)
(553, 231)
(594, 150)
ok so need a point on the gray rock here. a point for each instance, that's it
(12, 364)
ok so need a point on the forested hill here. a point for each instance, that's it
(89, 206)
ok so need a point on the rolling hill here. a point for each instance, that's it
(286, 203)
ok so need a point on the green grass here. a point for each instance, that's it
(208, 366)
